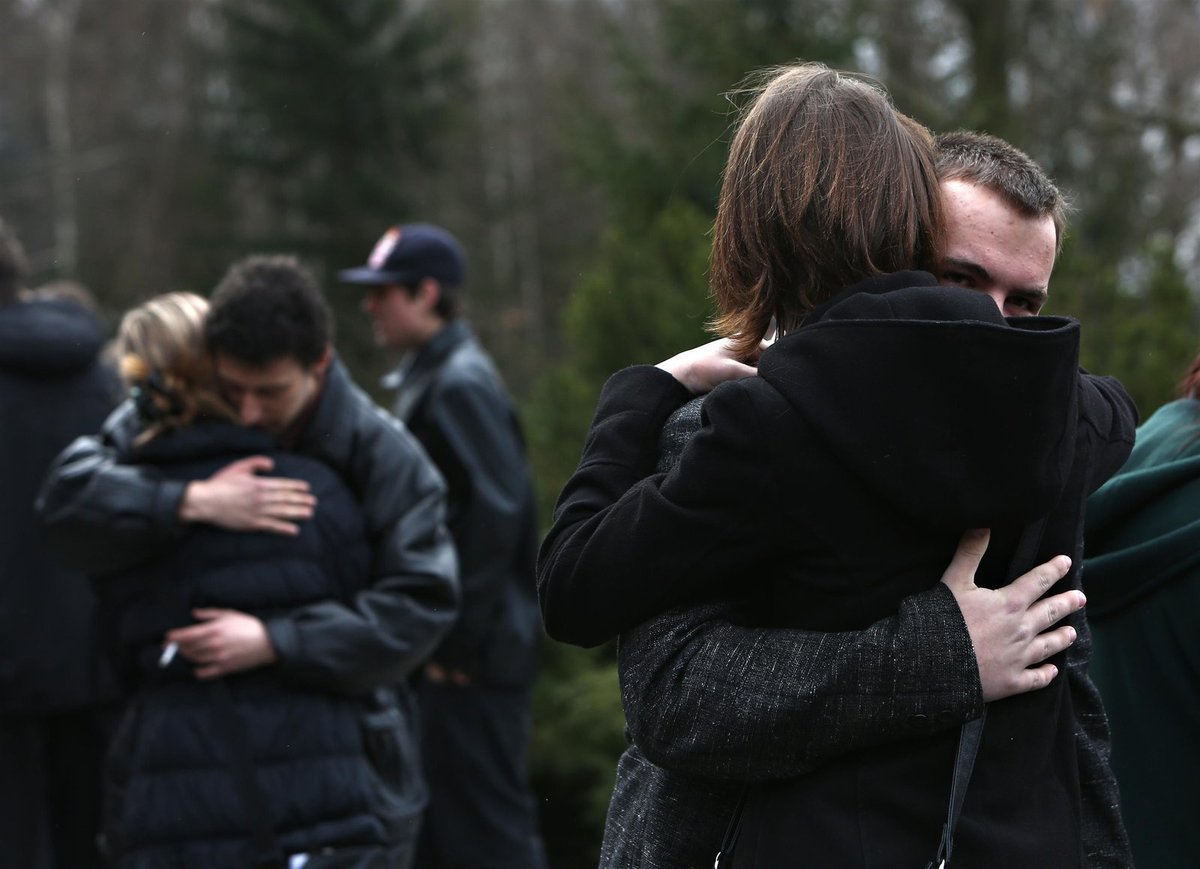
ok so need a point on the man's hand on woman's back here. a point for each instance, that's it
(1012, 628)
(237, 498)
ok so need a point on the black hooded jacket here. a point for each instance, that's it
(830, 487)
(53, 388)
(104, 513)
(325, 749)
(109, 513)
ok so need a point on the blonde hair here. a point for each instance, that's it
(165, 364)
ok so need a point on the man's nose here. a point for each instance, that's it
(250, 411)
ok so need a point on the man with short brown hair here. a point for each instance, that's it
(738, 713)
(269, 331)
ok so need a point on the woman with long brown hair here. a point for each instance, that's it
(837, 481)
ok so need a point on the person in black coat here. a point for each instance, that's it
(474, 692)
(268, 332)
(222, 762)
(53, 388)
(837, 482)
(802, 697)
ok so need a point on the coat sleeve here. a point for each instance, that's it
(708, 697)
(478, 449)
(626, 543)
(1108, 418)
(383, 633)
(1105, 841)
(100, 515)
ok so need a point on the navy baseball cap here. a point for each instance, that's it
(406, 254)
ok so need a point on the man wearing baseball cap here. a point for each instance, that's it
(474, 690)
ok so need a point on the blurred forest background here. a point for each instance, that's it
(575, 146)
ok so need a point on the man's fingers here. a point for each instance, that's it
(1030, 586)
(275, 526)
(287, 510)
(284, 503)
(1054, 609)
(1050, 643)
(284, 484)
(197, 651)
(248, 465)
(971, 548)
(1037, 677)
(188, 635)
(973, 544)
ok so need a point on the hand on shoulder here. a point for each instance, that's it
(703, 368)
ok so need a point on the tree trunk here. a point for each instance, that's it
(59, 23)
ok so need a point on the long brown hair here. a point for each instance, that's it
(165, 364)
(826, 184)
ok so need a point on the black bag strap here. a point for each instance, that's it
(732, 830)
(266, 850)
(972, 732)
(964, 763)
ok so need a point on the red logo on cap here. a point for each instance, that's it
(383, 248)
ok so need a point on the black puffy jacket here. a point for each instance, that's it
(331, 764)
(53, 388)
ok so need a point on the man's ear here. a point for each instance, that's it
(322, 364)
(429, 293)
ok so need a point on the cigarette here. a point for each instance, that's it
(168, 655)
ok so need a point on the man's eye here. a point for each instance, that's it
(957, 278)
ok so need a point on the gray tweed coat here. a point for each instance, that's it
(711, 705)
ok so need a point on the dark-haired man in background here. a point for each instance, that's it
(474, 691)
(269, 332)
(53, 388)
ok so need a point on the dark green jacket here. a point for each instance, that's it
(1142, 578)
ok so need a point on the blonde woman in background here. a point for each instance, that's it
(240, 759)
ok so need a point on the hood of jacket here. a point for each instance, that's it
(953, 414)
(1142, 527)
(48, 339)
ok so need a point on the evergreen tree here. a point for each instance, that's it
(335, 112)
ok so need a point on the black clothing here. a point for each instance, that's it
(718, 704)
(452, 399)
(53, 388)
(326, 771)
(481, 811)
(841, 479)
(109, 515)
(103, 515)
(51, 769)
